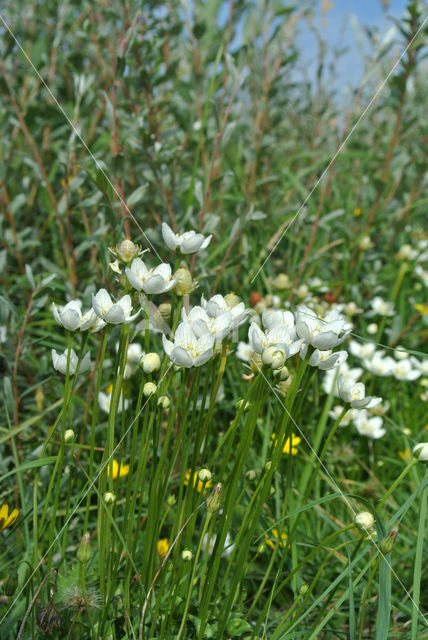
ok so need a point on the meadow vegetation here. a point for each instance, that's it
(213, 314)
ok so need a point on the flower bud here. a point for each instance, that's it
(164, 402)
(171, 500)
(184, 282)
(365, 520)
(365, 243)
(388, 542)
(148, 389)
(268, 465)
(231, 299)
(213, 502)
(83, 552)
(251, 474)
(261, 548)
(204, 475)
(274, 357)
(282, 281)
(303, 589)
(109, 498)
(302, 291)
(242, 403)
(69, 436)
(127, 250)
(372, 328)
(260, 306)
(150, 362)
(268, 300)
(39, 397)
(165, 310)
(282, 373)
(186, 555)
(420, 451)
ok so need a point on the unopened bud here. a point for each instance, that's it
(150, 362)
(109, 498)
(242, 403)
(83, 552)
(186, 555)
(39, 397)
(165, 310)
(365, 243)
(420, 451)
(365, 520)
(303, 589)
(274, 357)
(282, 281)
(171, 500)
(164, 402)
(213, 502)
(149, 389)
(204, 475)
(282, 373)
(388, 542)
(184, 282)
(261, 548)
(231, 299)
(251, 474)
(127, 250)
(268, 465)
(69, 436)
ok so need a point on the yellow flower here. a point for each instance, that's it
(197, 484)
(117, 470)
(5, 519)
(291, 443)
(422, 308)
(162, 547)
(279, 541)
(357, 211)
(405, 455)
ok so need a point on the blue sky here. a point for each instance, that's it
(338, 28)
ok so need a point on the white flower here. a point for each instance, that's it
(370, 427)
(321, 333)
(345, 370)
(189, 350)
(244, 351)
(151, 281)
(326, 360)
(347, 418)
(363, 350)
(113, 313)
(277, 318)
(187, 242)
(104, 401)
(59, 362)
(278, 337)
(217, 305)
(134, 353)
(354, 393)
(421, 451)
(210, 541)
(421, 365)
(381, 307)
(70, 316)
(219, 326)
(403, 370)
(379, 364)
(3, 334)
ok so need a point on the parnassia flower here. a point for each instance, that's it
(110, 312)
(70, 316)
(420, 451)
(326, 360)
(371, 427)
(187, 242)
(151, 281)
(217, 305)
(354, 393)
(59, 361)
(188, 349)
(201, 323)
(322, 333)
(381, 307)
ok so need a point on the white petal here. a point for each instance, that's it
(169, 237)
